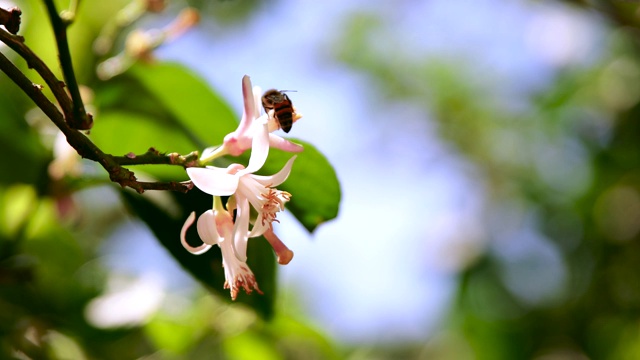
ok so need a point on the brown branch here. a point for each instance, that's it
(16, 43)
(80, 120)
(11, 19)
(153, 156)
(141, 186)
(88, 149)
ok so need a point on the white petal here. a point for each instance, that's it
(213, 181)
(258, 227)
(283, 144)
(207, 228)
(241, 229)
(183, 232)
(257, 98)
(259, 149)
(249, 112)
(279, 177)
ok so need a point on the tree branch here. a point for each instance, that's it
(80, 119)
(89, 150)
(153, 156)
(11, 19)
(16, 43)
(75, 116)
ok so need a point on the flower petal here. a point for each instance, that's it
(259, 227)
(257, 98)
(279, 177)
(214, 181)
(241, 229)
(259, 149)
(250, 111)
(183, 239)
(283, 144)
(207, 228)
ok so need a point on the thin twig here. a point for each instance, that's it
(80, 120)
(153, 156)
(16, 43)
(11, 19)
(34, 91)
(88, 149)
(183, 187)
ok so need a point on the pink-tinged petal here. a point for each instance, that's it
(259, 227)
(257, 98)
(224, 223)
(259, 149)
(183, 239)
(213, 181)
(237, 273)
(236, 143)
(207, 228)
(241, 229)
(249, 107)
(278, 178)
(278, 142)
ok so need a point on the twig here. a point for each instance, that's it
(89, 150)
(80, 119)
(34, 91)
(153, 156)
(16, 43)
(141, 186)
(11, 19)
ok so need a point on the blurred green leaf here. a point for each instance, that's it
(188, 98)
(250, 346)
(120, 132)
(313, 184)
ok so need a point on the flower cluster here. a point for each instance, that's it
(245, 190)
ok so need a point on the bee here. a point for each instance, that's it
(282, 107)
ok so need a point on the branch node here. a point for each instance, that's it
(11, 20)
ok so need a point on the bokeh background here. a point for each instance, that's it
(487, 153)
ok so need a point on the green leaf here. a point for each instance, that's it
(188, 98)
(313, 184)
(121, 132)
(207, 268)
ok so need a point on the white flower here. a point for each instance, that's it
(216, 227)
(240, 140)
(249, 190)
(66, 160)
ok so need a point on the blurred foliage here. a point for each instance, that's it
(52, 278)
(561, 188)
(558, 167)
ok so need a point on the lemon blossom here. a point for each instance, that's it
(240, 140)
(216, 227)
(249, 190)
